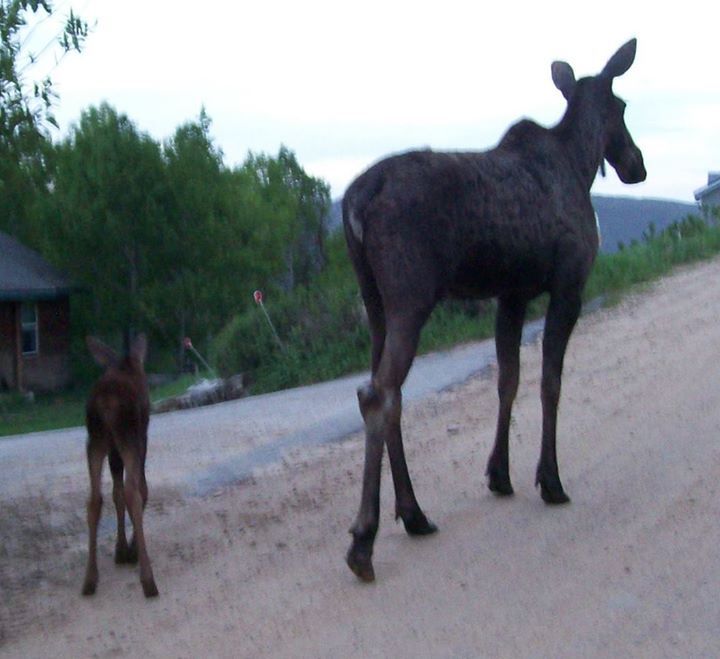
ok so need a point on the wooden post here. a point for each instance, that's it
(18, 347)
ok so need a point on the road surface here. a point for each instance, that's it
(248, 550)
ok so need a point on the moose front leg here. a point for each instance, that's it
(562, 315)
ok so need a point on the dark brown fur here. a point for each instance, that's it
(117, 416)
(511, 223)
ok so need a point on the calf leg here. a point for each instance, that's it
(134, 502)
(143, 495)
(561, 317)
(123, 552)
(508, 332)
(95, 457)
(380, 405)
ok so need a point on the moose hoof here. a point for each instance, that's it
(149, 588)
(553, 495)
(418, 524)
(360, 562)
(551, 489)
(500, 484)
(126, 555)
(89, 588)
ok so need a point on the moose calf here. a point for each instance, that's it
(117, 416)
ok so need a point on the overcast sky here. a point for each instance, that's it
(343, 84)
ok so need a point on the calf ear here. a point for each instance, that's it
(138, 348)
(564, 78)
(621, 61)
(103, 355)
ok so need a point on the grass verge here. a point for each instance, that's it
(20, 415)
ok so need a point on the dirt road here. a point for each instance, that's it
(630, 568)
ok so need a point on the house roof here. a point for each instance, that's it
(25, 275)
(712, 186)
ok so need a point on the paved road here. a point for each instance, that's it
(202, 449)
(629, 569)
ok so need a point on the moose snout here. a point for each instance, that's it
(633, 168)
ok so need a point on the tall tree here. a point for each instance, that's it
(302, 203)
(26, 102)
(107, 226)
(187, 284)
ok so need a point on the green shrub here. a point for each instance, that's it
(681, 242)
(324, 332)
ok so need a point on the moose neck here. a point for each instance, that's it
(581, 131)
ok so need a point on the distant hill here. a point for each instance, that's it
(335, 216)
(622, 219)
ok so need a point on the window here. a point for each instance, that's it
(29, 328)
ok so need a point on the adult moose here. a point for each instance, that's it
(511, 223)
(117, 415)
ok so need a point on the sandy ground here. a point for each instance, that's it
(630, 568)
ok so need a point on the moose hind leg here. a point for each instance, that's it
(364, 529)
(134, 502)
(508, 332)
(380, 407)
(402, 346)
(95, 458)
(561, 317)
(123, 552)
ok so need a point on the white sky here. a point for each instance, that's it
(343, 84)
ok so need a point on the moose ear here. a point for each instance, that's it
(564, 78)
(621, 61)
(138, 348)
(103, 355)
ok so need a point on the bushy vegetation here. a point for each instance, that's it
(324, 332)
(681, 242)
(321, 327)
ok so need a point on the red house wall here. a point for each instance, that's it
(49, 369)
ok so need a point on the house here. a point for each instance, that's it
(709, 196)
(34, 320)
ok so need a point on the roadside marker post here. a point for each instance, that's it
(258, 297)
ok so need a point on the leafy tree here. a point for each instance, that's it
(166, 237)
(26, 102)
(301, 203)
(188, 281)
(228, 232)
(107, 219)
